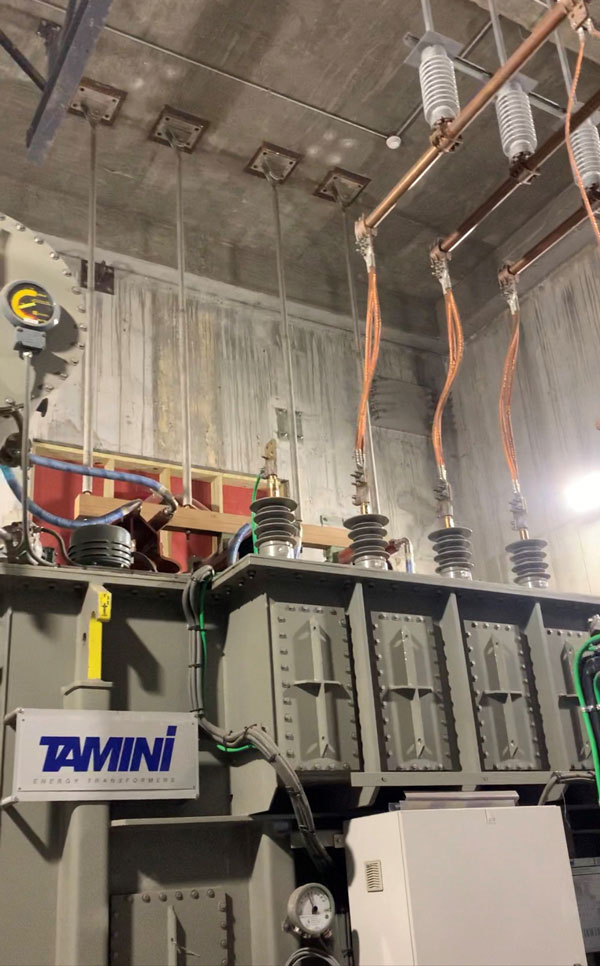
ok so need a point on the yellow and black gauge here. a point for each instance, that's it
(27, 304)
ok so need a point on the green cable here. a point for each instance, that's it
(596, 686)
(254, 492)
(586, 715)
(202, 627)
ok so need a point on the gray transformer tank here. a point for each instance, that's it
(370, 682)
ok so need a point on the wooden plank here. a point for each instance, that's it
(108, 486)
(165, 537)
(208, 521)
(141, 464)
(216, 501)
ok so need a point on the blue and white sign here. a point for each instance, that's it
(63, 755)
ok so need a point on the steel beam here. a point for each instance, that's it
(77, 41)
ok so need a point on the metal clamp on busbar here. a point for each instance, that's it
(441, 139)
(508, 287)
(364, 241)
(438, 261)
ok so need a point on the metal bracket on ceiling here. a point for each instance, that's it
(273, 162)
(343, 186)
(428, 39)
(185, 129)
(69, 49)
(99, 100)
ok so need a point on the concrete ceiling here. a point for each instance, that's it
(326, 53)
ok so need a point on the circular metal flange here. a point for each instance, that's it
(26, 255)
(101, 545)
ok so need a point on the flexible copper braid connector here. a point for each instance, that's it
(372, 344)
(505, 400)
(455, 354)
(569, 146)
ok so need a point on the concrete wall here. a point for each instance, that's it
(556, 405)
(238, 381)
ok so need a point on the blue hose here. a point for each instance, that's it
(106, 475)
(57, 521)
(233, 549)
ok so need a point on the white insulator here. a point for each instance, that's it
(438, 85)
(585, 142)
(515, 120)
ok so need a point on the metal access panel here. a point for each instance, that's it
(313, 686)
(414, 708)
(462, 887)
(171, 926)
(507, 723)
(562, 646)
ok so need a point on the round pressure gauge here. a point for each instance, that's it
(311, 910)
(29, 305)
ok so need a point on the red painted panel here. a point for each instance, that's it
(56, 491)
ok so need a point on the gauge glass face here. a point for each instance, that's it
(31, 303)
(315, 910)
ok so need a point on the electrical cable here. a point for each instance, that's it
(254, 735)
(372, 346)
(61, 543)
(25, 545)
(144, 558)
(253, 524)
(563, 778)
(310, 952)
(104, 474)
(52, 518)
(569, 146)
(233, 547)
(590, 665)
(505, 399)
(456, 345)
(589, 645)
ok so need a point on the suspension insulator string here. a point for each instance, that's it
(570, 107)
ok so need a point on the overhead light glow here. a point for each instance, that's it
(583, 494)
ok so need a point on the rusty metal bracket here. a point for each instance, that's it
(441, 140)
(364, 241)
(518, 509)
(508, 286)
(577, 13)
(342, 186)
(522, 172)
(438, 261)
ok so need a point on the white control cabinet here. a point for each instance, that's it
(462, 887)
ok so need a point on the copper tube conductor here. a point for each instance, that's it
(548, 242)
(506, 189)
(542, 30)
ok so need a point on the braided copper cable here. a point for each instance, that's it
(372, 344)
(455, 355)
(505, 399)
(570, 107)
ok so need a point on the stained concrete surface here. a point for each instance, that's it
(342, 55)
